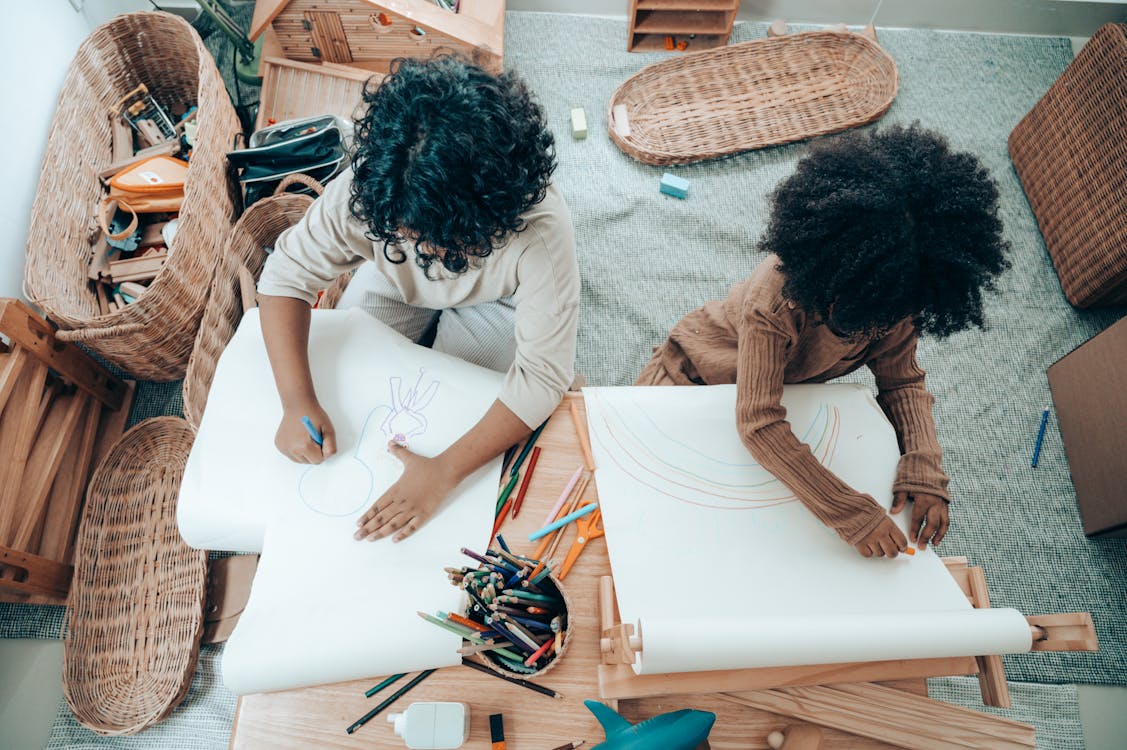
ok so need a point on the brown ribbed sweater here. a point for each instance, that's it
(759, 340)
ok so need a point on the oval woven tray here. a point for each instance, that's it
(135, 612)
(754, 94)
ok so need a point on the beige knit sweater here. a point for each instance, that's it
(759, 340)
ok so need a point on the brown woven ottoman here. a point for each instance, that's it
(1070, 153)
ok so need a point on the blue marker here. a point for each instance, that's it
(1040, 436)
(319, 441)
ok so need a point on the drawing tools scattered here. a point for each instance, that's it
(377, 688)
(1040, 436)
(561, 522)
(514, 619)
(548, 545)
(515, 680)
(316, 435)
(527, 447)
(394, 697)
(581, 433)
(586, 529)
(497, 731)
(553, 513)
(527, 478)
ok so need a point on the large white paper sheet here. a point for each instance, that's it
(323, 607)
(722, 567)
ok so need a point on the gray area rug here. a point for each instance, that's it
(646, 259)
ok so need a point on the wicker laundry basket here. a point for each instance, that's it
(257, 229)
(754, 94)
(135, 611)
(152, 338)
(1070, 153)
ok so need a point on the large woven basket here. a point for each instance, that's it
(152, 338)
(1070, 153)
(135, 611)
(257, 229)
(754, 94)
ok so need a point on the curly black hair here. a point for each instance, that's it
(448, 157)
(877, 227)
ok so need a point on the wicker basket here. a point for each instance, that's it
(135, 612)
(491, 660)
(1070, 153)
(152, 338)
(256, 229)
(750, 95)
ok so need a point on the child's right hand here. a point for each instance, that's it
(295, 442)
(885, 540)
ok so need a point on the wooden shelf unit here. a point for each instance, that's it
(707, 22)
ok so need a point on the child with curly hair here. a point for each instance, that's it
(877, 238)
(450, 219)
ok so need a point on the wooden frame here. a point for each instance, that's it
(59, 413)
(292, 89)
(619, 644)
(656, 23)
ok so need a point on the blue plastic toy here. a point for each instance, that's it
(676, 730)
(676, 186)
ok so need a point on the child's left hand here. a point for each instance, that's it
(411, 501)
(928, 511)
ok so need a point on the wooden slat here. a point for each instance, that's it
(1068, 631)
(892, 716)
(20, 323)
(17, 435)
(265, 11)
(43, 576)
(991, 672)
(328, 36)
(69, 490)
(11, 363)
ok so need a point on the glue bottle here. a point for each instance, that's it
(433, 726)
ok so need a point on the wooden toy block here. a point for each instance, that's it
(578, 124)
(682, 45)
(621, 121)
(669, 43)
(673, 185)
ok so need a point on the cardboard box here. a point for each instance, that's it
(1089, 388)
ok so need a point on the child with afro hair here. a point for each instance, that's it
(877, 238)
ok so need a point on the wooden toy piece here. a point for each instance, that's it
(798, 737)
(669, 43)
(621, 121)
(149, 132)
(151, 234)
(777, 28)
(122, 138)
(144, 268)
(100, 256)
(578, 124)
(168, 148)
(133, 289)
(682, 45)
(673, 185)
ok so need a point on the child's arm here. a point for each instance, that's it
(906, 401)
(761, 420)
(426, 482)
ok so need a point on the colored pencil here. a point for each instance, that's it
(571, 745)
(543, 650)
(563, 497)
(527, 447)
(1040, 436)
(527, 479)
(515, 680)
(501, 542)
(313, 433)
(547, 547)
(475, 649)
(394, 697)
(562, 522)
(581, 433)
(459, 630)
(505, 492)
(377, 688)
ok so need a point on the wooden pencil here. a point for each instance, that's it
(527, 479)
(581, 433)
(515, 680)
(394, 697)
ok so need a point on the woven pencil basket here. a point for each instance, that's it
(135, 611)
(494, 663)
(151, 338)
(257, 229)
(754, 94)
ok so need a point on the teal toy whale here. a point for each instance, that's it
(676, 730)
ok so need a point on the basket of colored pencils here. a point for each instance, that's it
(516, 616)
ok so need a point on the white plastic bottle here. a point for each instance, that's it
(433, 726)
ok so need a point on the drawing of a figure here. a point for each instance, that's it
(342, 485)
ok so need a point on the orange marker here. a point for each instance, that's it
(669, 42)
(910, 551)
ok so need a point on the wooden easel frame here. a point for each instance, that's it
(619, 643)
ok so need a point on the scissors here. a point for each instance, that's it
(587, 528)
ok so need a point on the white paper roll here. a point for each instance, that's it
(703, 644)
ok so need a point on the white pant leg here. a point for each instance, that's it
(483, 334)
(372, 293)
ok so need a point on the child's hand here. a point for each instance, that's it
(295, 442)
(411, 501)
(928, 511)
(885, 539)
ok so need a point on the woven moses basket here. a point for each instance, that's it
(151, 338)
(1070, 153)
(257, 229)
(135, 611)
(754, 94)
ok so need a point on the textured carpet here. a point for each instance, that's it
(646, 259)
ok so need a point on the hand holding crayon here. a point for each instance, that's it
(306, 435)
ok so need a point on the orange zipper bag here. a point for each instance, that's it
(155, 185)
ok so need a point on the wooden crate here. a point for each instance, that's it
(371, 34)
(59, 413)
(699, 24)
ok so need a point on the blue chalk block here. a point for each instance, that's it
(673, 185)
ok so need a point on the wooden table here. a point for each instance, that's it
(317, 717)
